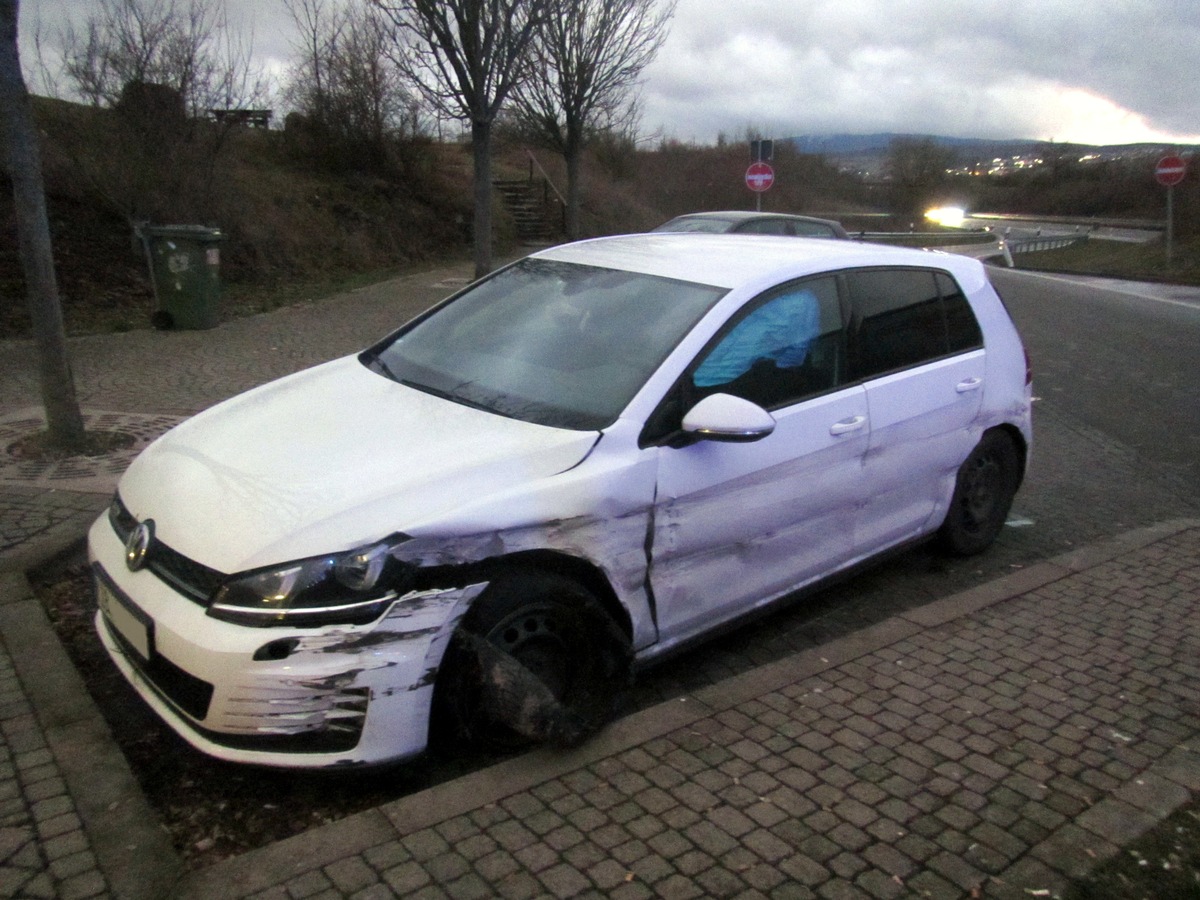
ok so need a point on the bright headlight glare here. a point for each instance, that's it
(347, 588)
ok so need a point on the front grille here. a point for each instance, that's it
(194, 580)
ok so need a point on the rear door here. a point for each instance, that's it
(918, 351)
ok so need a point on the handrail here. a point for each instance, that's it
(534, 162)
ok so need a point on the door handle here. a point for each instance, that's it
(970, 384)
(848, 425)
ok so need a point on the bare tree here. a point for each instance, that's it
(64, 420)
(466, 57)
(188, 46)
(319, 25)
(344, 82)
(587, 61)
(160, 66)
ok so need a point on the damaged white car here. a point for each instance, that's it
(594, 456)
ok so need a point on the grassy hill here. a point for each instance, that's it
(302, 216)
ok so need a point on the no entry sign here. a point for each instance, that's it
(1169, 171)
(760, 177)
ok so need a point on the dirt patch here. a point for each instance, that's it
(1163, 864)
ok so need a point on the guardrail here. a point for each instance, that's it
(926, 239)
(976, 244)
(1033, 245)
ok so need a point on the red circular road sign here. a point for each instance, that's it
(1170, 170)
(760, 177)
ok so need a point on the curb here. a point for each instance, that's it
(132, 847)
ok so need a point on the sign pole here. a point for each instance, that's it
(1170, 222)
(760, 176)
(1169, 172)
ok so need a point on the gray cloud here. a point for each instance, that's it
(1100, 70)
(1012, 68)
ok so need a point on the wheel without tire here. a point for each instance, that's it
(536, 659)
(983, 494)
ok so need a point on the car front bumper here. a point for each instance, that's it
(333, 696)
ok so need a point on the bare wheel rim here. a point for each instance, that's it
(542, 643)
(983, 485)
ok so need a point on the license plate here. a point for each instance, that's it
(126, 619)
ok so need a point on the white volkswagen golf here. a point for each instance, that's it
(589, 459)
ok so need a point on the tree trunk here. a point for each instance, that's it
(574, 160)
(64, 421)
(481, 146)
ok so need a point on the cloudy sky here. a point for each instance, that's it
(1090, 71)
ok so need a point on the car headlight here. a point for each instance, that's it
(350, 588)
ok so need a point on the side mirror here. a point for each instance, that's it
(723, 417)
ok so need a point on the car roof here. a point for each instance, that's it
(730, 261)
(739, 215)
(742, 215)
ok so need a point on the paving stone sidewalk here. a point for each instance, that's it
(1000, 742)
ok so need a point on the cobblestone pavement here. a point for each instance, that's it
(915, 735)
(1002, 742)
(44, 850)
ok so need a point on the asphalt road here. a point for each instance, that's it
(1121, 357)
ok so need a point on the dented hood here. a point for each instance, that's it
(328, 459)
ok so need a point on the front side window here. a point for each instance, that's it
(549, 342)
(788, 346)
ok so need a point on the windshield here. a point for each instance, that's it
(547, 342)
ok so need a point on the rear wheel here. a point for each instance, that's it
(537, 659)
(983, 494)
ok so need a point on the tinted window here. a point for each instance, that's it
(705, 224)
(813, 229)
(789, 227)
(905, 317)
(548, 342)
(788, 346)
(766, 226)
(962, 328)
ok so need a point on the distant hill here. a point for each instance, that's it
(852, 145)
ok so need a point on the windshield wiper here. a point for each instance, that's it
(374, 361)
(447, 395)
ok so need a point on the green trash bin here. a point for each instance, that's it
(185, 262)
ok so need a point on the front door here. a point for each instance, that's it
(738, 524)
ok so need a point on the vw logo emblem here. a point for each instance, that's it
(138, 546)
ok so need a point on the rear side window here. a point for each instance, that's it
(961, 326)
(905, 317)
(767, 226)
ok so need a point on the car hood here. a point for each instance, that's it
(326, 460)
